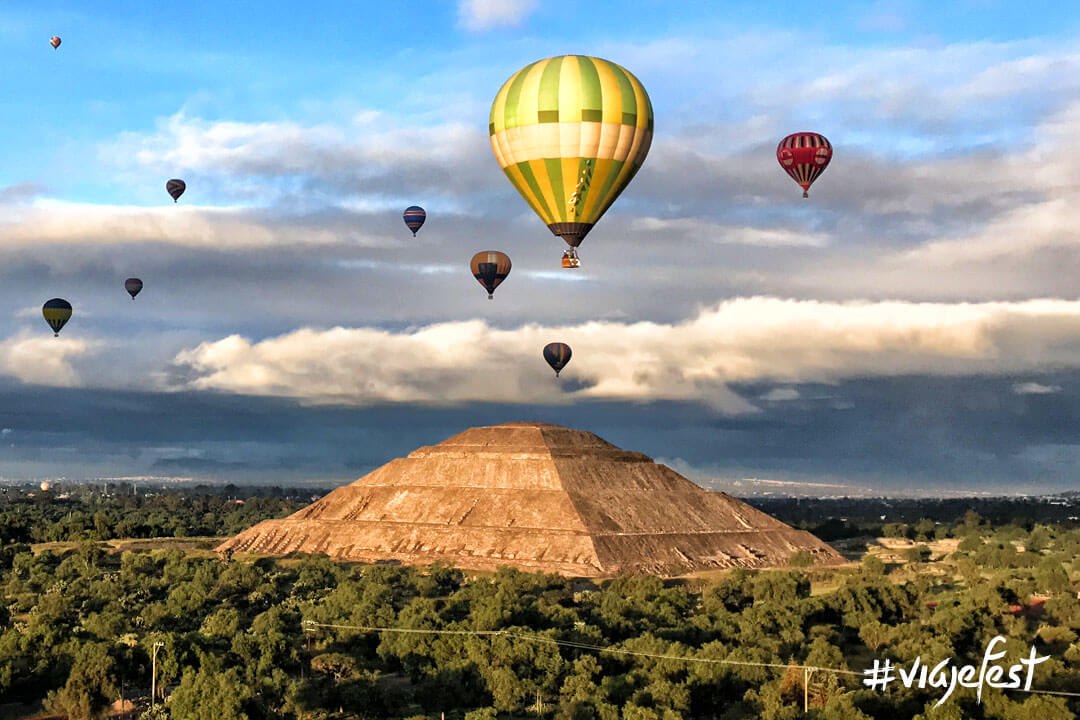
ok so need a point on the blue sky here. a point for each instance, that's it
(126, 65)
(938, 250)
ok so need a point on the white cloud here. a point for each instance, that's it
(47, 221)
(43, 359)
(722, 234)
(486, 14)
(1034, 388)
(369, 155)
(939, 86)
(710, 216)
(950, 96)
(1046, 220)
(737, 341)
(781, 394)
(932, 205)
(1023, 231)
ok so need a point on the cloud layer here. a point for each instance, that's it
(746, 340)
(938, 250)
(43, 360)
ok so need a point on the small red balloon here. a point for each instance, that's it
(804, 156)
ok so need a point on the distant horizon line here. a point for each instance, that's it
(168, 482)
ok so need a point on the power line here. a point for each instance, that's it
(312, 623)
(576, 645)
(308, 624)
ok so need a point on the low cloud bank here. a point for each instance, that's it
(741, 340)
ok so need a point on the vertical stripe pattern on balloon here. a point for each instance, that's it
(570, 133)
(804, 156)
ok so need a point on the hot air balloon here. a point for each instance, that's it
(804, 156)
(176, 188)
(414, 216)
(557, 356)
(54, 41)
(570, 132)
(490, 268)
(133, 286)
(57, 312)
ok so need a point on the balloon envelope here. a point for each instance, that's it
(57, 312)
(414, 216)
(557, 355)
(175, 188)
(490, 267)
(570, 132)
(133, 286)
(54, 41)
(804, 156)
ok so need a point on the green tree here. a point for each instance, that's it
(1050, 576)
(924, 529)
(875, 634)
(1037, 541)
(873, 565)
(1041, 707)
(948, 711)
(731, 593)
(210, 695)
(973, 522)
(223, 623)
(335, 665)
(895, 530)
(780, 588)
(156, 712)
(90, 687)
(841, 707)
(970, 544)
(918, 554)
(1058, 638)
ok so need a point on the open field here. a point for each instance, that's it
(194, 546)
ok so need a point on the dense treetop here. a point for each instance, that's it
(77, 624)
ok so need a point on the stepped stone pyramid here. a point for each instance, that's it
(538, 497)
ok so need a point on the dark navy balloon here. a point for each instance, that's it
(557, 355)
(414, 216)
(175, 188)
(133, 286)
(57, 312)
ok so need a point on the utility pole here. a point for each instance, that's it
(807, 671)
(153, 673)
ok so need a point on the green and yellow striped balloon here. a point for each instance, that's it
(571, 132)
